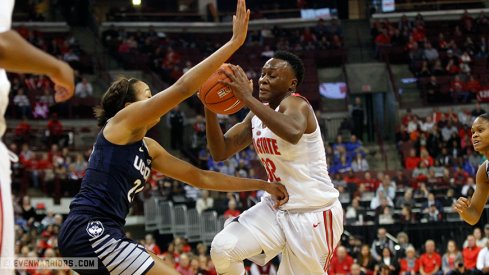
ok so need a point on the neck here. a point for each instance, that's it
(275, 103)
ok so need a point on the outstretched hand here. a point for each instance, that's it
(63, 82)
(240, 23)
(461, 205)
(278, 192)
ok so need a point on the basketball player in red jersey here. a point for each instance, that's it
(285, 132)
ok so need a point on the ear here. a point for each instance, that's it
(293, 84)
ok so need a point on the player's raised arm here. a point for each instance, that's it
(144, 113)
(222, 146)
(471, 210)
(18, 55)
(178, 169)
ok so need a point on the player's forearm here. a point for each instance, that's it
(215, 137)
(18, 55)
(471, 215)
(280, 124)
(220, 182)
(193, 79)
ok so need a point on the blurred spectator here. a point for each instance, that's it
(54, 133)
(470, 254)
(184, 265)
(486, 234)
(23, 131)
(430, 261)
(341, 262)
(380, 243)
(204, 202)
(380, 199)
(150, 245)
(231, 211)
(366, 260)
(354, 211)
(469, 187)
(83, 89)
(451, 257)
(22, 104)
(409, 265)
(358, 116)
(483, 259)
(477, 110)
(430, 53)
(388, 263)
(359, 164)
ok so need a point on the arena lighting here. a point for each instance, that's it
(136, 2)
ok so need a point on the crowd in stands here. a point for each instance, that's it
(448, 58)
(32, 96)
(384, 256)
(170, 55)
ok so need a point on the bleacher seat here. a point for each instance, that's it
(166, 218)
(180, 220)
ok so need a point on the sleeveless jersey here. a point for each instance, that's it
(6, 9)
(114, 175)
(300, 167)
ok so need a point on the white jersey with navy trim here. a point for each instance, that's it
(300, 167)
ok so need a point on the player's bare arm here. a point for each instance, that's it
(178, 169)
(470, 211)
(141, 114)
(289, 123)
(18, 55)
(222, 146)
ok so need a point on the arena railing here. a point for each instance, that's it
(209, 27)
(417, 5)
(429, 15)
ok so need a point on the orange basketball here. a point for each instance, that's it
(218, 97)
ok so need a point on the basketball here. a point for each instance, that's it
(218, 97)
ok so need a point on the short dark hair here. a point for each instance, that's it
(485, 116)
(294, 61)
(119, 93)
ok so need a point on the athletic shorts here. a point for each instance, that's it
(6, 209)
(307, 240)
(83, 235)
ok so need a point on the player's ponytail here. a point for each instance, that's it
(119, 93)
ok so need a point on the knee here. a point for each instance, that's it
(222, 250)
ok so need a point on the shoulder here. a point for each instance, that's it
(294, 103)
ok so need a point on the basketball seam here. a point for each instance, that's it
(210, 89)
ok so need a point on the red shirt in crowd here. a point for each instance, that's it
(470, 256)
(405, 267)
(231, 213)
(429, 262)
(55, 127)
(473, 86)
(340, 266)
(411, 162)
(153, 248)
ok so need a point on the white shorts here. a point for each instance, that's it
(306, 239)
(7, 235)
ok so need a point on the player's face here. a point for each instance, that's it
(480, 135)
(275, 81)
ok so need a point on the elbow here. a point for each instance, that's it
(294, 138)
(472, 221)
(184, 85)
(216, 155)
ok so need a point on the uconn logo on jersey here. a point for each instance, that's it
(141, 167)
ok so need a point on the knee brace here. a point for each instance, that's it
(222, 250)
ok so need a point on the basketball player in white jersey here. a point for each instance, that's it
(17, 55)
(285, 132)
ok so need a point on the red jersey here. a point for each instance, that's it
(429, 261)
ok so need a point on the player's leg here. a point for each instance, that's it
(231, 246)
(257, 231)
(311, 239)
(6, 210)
(160, 267)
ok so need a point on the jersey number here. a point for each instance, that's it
(271, 168)
(138, 186)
